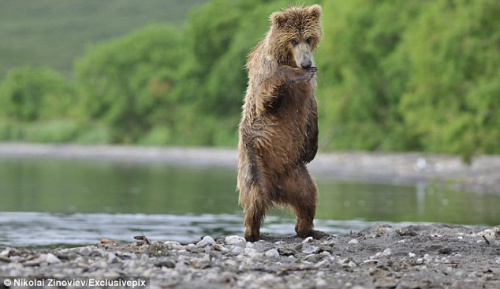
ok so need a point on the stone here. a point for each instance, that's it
(353, 242)
(233, 240)
(387, 252)
(51, 259)
(310, 249)
(272, 253)
(165, 263)
(206, 241)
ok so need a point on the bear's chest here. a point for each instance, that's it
(291, 103)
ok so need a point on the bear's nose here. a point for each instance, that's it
(306, 64)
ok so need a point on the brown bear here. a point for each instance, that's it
(278, 133)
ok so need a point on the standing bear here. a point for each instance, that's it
(278, 132)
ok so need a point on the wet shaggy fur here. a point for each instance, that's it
(278, 132)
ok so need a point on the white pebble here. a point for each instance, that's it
(173, 245)
(384, 230)
(206, 241)
(307, 240)
(353, 242)
(220, 248)
(232, 240)
(236, 250)
(112, 258)
(387, 252)
(51, 259)
(321, 283)
(310, 249)
(411, 255)
(252, 253)
(323, 263)
(273, 253)
(5, 253)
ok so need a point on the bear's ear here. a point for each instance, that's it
(278, 19)
(314, 11)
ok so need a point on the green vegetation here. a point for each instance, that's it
(419, 76)
(54, 32)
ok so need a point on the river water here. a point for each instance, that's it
(54, 202)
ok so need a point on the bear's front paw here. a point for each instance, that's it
(304, 75)
(295, 74)
(310, 72)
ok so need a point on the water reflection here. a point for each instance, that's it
(119, 199)
(22, 229)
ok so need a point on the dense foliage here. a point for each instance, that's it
(53, 33)
(393, 76)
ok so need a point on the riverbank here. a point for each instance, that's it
(426, 256)
(381, 256)
(483, 175)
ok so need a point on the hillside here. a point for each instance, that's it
(53, 33)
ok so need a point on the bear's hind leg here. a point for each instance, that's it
(303, 201)
(305, 211)
(255, 210)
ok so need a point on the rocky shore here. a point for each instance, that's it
(427, 256)
(419, 256)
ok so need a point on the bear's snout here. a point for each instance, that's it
(303, 56)
(306, 64)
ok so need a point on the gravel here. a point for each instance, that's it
(424, 256)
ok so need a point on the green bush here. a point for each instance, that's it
(451, 101)
(129, 83)
(30, 94)
(393, 76)
(55, 131)
(358, 91)
(420, 75)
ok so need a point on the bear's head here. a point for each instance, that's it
(294, 35)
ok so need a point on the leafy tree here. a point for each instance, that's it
(451, 101)
(358, 89)
(125, 82)
(413, 76)
(30, 94)
(209, 34)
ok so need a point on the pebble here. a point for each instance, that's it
(173, 245)
(273, 253)
(353, 242)
(6, 252)
(237, 250)
(307, 240)
(85, 251)
(310, 249)
(385, 230)
(387, 252)
(233, 240)
(321, 283)
(231, 262)
(50, 258)
(206, 241)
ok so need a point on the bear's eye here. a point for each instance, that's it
(294, 42)
(309, 40)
